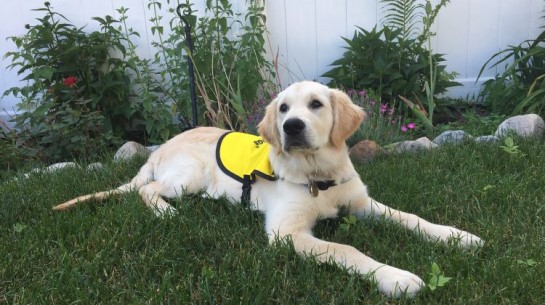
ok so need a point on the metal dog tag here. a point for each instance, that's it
(313, 188)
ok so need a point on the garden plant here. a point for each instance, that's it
(80, 96)
(396, 61)
(87, 92)
(520, 88)
(232, 71)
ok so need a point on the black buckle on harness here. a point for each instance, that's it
(246, 190)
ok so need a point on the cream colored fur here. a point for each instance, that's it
(187, 164)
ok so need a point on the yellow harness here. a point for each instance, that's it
(243, 157)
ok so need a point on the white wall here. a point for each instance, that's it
(306, 34)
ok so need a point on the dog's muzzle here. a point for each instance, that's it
(294, 131)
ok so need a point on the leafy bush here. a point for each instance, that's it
(390, 62)
(521, 88)
(229, 58)
(79, 97)
(10, 158)
(376, 59)
(396, 61)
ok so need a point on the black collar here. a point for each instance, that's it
(323, 185)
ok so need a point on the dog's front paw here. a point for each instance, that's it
(462, 238)
(164, 211)
(395, 282)
(468, 240)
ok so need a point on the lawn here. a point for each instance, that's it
(117, 252)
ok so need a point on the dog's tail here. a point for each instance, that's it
(144, 176)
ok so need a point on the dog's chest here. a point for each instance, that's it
(296, 198)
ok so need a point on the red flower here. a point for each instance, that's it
(70, 81)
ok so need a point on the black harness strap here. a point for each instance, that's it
(246, 190)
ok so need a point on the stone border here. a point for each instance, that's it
(527, 126)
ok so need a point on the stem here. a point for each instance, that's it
(161, 42)
(431, 102)
(53, 24)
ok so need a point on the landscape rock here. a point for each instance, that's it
(95, 166)
(130, 150)
(421, 144)
(51, 168)
(365, 151)
(529, 125)
(487, 139)
(452, 137)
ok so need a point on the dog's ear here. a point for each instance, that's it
(347, 117)
(268, 129)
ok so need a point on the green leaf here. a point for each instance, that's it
(509, 142)
(435, 269)
(437, 279)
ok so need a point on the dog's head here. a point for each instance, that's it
(308, 116)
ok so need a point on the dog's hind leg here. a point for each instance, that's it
(151, 194)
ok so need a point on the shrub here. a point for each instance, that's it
(10, 159)
(521, 88)
(396, 61)
(79, 98)
(388, 62)
(229, 57)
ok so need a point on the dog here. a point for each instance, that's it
(305, 128)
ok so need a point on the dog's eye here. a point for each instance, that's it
(283, 108)
(315, 104)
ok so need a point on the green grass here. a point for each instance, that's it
(117, 252)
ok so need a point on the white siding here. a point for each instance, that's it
(306, 34)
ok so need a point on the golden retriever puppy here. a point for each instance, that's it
(306, 174)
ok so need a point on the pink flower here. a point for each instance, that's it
(362, 92)
(351, 92)
(372, 102)
(404, 128)
(383, 108)
(411, 126)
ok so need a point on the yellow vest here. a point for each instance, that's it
(243, 157)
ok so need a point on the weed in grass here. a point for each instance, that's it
(348, 221)
(510, 147)
(527, 262)
(18, 227)
(437, 278)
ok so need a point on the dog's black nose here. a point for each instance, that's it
(293, 127)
